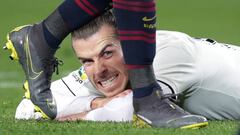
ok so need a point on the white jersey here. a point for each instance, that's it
(201, 70)
(204, 72)
(184, 63)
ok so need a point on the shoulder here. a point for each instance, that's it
(174, 43)
(164, 35)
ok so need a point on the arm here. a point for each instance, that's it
(101, 102)
(72, 93)
(97, 102)
(117, 108)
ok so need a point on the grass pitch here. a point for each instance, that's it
(217, 19)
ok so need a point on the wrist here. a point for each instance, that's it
(95, 103)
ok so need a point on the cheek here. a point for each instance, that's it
(89, 73)
(121, 66)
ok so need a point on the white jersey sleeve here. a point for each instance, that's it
(75, 83)
(80, 94)
(118, 109)
(73, 93)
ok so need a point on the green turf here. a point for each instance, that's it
(218, 19)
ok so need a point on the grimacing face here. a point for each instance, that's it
(102, 58)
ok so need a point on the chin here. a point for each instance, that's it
(113, 90)
(112, 93)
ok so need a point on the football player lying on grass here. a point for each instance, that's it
(200, 75)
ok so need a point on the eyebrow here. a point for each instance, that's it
(104, 48)
(101, 52)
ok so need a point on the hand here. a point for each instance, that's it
(101, 101)
(96, 103)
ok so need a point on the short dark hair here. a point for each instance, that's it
(94, 25)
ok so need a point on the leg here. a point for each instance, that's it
(137, 37)
(35, 45)
(216, 105)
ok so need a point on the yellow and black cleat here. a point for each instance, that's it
(27, 96)
(9, 44)
(139, 123)
(38, 63)
(156, 111)
(26, 90)
(195, 126)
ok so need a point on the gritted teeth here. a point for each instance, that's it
(108, 81)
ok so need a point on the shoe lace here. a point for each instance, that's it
(57, 63)
(172, 97)
(171, 100)
(51, 65)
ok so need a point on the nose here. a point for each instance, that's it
(100, 69)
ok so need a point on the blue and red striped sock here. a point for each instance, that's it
(136, 28)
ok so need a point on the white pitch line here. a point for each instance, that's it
(9, 75)
(10, 79)
(10, 85)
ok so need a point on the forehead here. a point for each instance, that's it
(95, 43)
